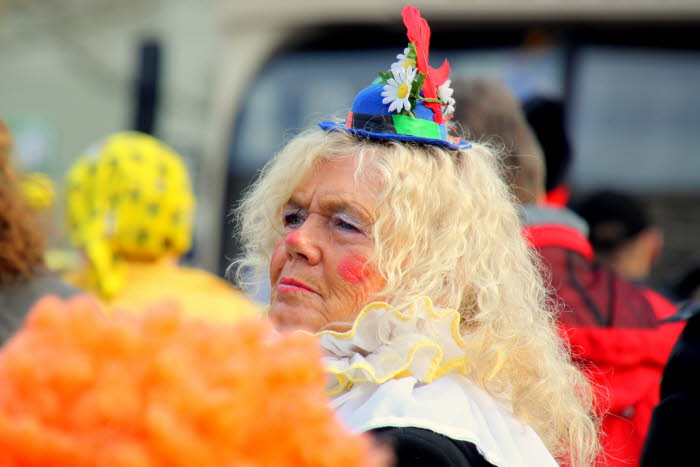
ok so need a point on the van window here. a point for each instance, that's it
(635, 115)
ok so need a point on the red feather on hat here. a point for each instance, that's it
(418, 33)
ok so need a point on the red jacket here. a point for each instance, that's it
(614, 332)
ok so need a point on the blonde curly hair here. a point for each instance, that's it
(446, 227)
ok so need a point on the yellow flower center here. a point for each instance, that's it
(408, 63)
(403, 91)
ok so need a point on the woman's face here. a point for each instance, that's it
(319, 271)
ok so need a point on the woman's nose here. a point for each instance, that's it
(305, 243)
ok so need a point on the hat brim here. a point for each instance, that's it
(332, 126)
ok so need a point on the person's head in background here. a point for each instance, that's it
(489, 112)
(621, 233)
(129, 198)
(21, 241)
(546, 118)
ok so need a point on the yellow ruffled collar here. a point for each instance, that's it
(387, 342)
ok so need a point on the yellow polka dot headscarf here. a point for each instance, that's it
(128, 198)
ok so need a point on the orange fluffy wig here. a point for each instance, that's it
(82, 388)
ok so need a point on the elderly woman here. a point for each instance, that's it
(401, 247)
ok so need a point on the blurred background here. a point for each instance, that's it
(226, 82)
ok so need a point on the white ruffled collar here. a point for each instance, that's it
(407, 368)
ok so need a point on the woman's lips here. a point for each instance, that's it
(287, 284)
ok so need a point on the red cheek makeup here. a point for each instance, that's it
(352, 269)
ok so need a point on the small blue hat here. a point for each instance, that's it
(372, 119)
(412, 102)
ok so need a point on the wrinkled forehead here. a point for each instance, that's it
(364, 162)
(338, 179)
(307, 161)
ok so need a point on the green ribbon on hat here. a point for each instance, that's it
(407, 125)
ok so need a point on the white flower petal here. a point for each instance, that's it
(445, 91)
(410, 74)
(449, 110)
(403, 56)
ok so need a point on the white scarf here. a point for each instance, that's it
(401, 368)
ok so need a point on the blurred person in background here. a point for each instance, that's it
(501, 127)
(673, 430)
(546, 118)
(23, 276)
(612, 324)
(621, 232)
(130, 208)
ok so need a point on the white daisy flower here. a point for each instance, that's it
(445, 94)
(403, 60)
(398, 89)
(450, 109)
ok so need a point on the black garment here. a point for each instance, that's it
(417, 447)
(673, 434)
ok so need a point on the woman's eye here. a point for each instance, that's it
(346, 226)
(293, 219)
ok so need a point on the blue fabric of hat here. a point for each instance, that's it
(412, 102)
(371, 118)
